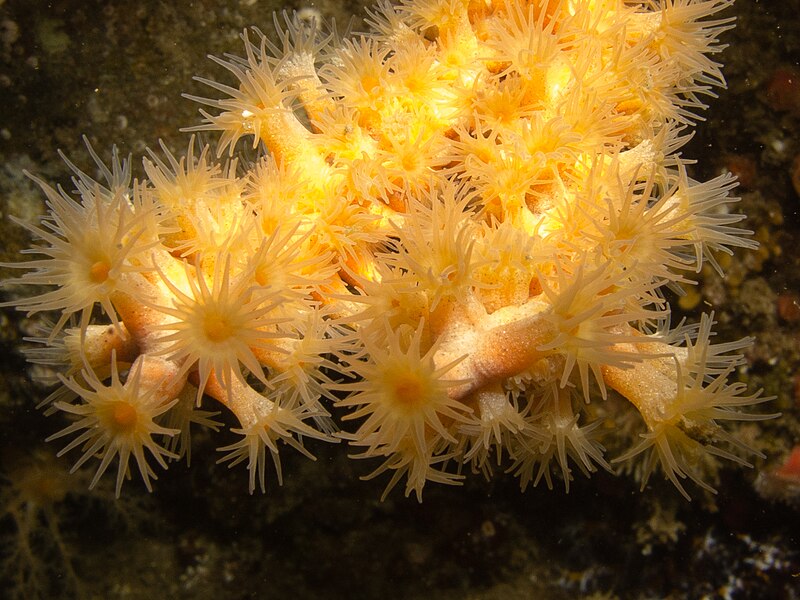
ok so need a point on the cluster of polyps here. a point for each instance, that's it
(457, 227)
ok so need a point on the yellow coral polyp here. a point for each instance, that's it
(450, 245)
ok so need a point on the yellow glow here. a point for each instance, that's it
(559, 77)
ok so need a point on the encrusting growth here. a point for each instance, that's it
(456, 232)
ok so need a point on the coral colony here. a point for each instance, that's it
(453, 232)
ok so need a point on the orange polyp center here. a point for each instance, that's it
(98, 272)
(370, 82)
(410, 161)
(124, 415)
(269, 224)
(263, 276)
(408, 391)
(217, 328)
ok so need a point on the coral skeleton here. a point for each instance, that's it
(449, 244)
